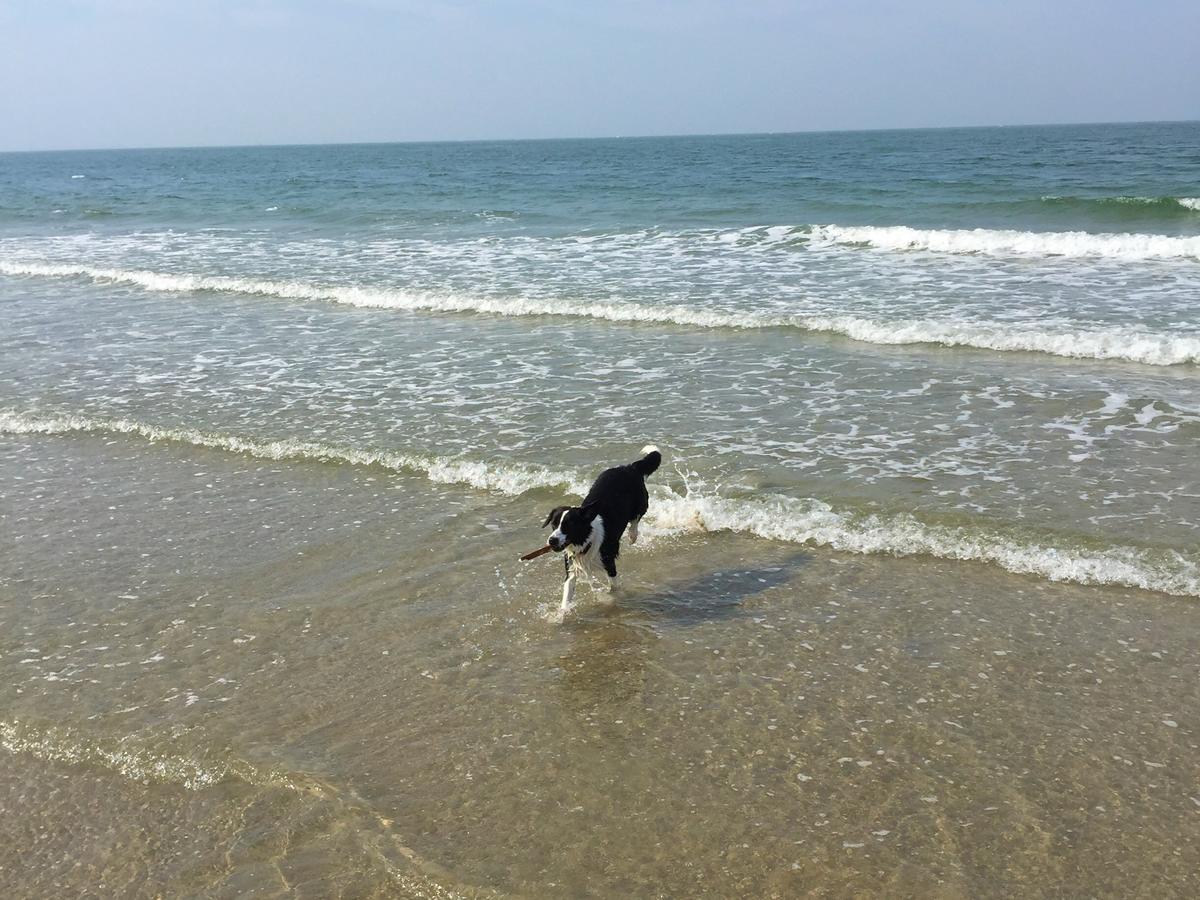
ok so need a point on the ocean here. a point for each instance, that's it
(914, 609)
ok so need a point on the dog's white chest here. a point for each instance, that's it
(586, 563)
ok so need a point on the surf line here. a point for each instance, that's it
(795, 520)
(1084, 342)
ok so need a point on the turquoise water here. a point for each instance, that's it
(1101, 178)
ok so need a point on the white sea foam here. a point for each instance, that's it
(809, 521)
(1145, 347)
(796, 520)
(508, 480)
(385, 298)
(1190, 203)
(1073, 244)
(1131, 345)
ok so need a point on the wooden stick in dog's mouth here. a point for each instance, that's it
(536, 553)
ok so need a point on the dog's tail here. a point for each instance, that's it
(649, 463)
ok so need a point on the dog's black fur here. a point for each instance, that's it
(618, 497)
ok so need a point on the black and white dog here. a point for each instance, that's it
(592, 531)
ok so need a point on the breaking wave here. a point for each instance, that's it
(510, 480)
(1149, 348)
(1146, 347)
(992, 242)
(810, 521)
(773, 517)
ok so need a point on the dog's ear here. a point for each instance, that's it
(590, 511)
(555, 516)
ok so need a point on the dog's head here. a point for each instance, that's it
(572, 526)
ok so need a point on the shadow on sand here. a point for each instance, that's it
(719, 594)
(606, 660)
(710, 596)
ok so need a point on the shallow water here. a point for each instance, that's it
(315, 703)
(914, 609)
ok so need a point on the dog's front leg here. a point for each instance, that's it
(568, 585)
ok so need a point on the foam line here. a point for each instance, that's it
(509, 480)
(1146, 347)
(810, 521)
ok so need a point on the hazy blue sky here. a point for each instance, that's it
(120, 73)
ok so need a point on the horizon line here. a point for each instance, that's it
(607, 137)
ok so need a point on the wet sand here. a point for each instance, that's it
(221, 676)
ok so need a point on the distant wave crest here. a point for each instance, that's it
(1165, 204)
(1145, 347)
(796, 520)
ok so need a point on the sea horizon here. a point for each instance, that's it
(599, 137)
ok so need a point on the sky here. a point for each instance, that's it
(147, 73)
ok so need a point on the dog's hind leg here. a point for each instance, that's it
(633, 531)
(610, 549)
(609, 558)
